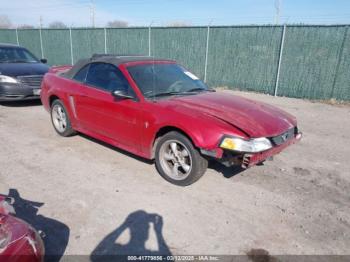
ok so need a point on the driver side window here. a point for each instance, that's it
(107, 77)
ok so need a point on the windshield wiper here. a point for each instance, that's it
(192, 91)
(199, 89)
(169, 94)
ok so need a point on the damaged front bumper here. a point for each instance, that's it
(245, 160)
(249, 160)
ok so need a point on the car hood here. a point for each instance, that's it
(22, 69)
(256, 119)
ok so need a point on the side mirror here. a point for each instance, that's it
(43, 60)
(121, 94)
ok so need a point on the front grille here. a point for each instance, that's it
(280, 139)
(32, 80)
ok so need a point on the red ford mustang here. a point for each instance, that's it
(19, 242)
(158, 110)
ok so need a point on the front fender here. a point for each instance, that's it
(204, 131)
(166, 127)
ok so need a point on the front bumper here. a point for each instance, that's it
(253, 159)
(15, 92)
(245, 160)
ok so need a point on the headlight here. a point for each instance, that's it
(7, 79)
(251, 146)
(5, 238)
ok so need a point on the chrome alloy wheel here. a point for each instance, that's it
(175, 159)
(59, 118)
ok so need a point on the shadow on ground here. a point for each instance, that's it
(119, 150)
(138, 225)
(260, 255)
(55, 234)
(227, 172)
(23, 103)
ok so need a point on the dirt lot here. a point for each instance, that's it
(297, 204)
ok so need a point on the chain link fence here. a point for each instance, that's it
(295, 61)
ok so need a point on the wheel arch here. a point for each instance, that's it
(52, 98)
(71, 115)
(166, 129)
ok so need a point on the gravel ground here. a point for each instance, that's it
(297, 204)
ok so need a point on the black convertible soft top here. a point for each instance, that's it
(108, 58)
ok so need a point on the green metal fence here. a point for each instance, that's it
(56, 46)
(309, 61)
(186, 45)
(127, 41)
(296, 61)
(244, 57)
(8, 36)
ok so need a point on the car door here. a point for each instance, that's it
(100, 112)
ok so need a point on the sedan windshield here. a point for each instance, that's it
(161, 80)
(16, 55)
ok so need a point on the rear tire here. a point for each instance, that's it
(178, 161)
(60, 119)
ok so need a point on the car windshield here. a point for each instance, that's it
(162, 80)
(16, 55)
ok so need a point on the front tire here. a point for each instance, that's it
(178, 161)
(60, 119)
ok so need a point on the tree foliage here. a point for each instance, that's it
(57, 25)
(179, 24)
(5, 22)
(117, 23)
(25, 26)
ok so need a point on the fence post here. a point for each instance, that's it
(206, 54)
(41, 43)
(280, 60)
(149, 39)
(71, 46)
(339, 60)
(17, 36)
(105, 31)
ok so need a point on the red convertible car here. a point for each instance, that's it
(19, 242)
(158, 110)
